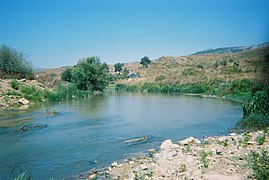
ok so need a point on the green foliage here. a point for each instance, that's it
(223, 63)
(118, 67)
(17, 174)
(90, 74)
(65, 92)
(13, 64)
(145, 61)
(203, 159)
(160, 78)
(24, 176)
(188, 72)
(183, 168)
(216, 64)
(260, 164)
(257, 104)
(260, 139)
(255, 112)
(34, 94)
(15, 84)
(67, 75)
(199, 66)
(224, 143)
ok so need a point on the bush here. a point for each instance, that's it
(255, 113)
(223, 63)
(160, 78)
(188, 72)
(260, 164)
(90, 74)
(66, 75)
(199, 66)
(257, 104)
(13, 64)
(15, 84)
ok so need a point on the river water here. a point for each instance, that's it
(90, 133)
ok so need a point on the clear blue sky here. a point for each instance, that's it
(55, 33)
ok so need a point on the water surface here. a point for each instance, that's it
(90, 133)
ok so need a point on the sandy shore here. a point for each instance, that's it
(213, 158)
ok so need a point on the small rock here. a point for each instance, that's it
(22, 80)
(233, 134)
(131, 162)
(114, 164)
(23, 101)
(24, 107)
(92, 176)
(143, 167)
(166, 144)
(250, 142)
(218, 152)
(190, 140)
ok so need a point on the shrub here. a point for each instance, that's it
(223, 63)
(160, 78)
(66, 75)
(257, 104)
(216, 64)
(260, 164)
(255, 113)
(188, 72)
(15, 84)
(199, 66)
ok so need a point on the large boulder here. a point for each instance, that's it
(23, 101)
(166, 144)
(190, 140)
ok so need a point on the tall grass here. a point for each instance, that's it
(61, 92)
(236, 87)
(255, 112)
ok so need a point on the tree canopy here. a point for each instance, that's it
(145, 61)
(67, 75)
(13, 64)
(118, 67)
(90, 74)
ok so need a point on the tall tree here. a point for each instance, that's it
(118, 67)
(90, 74)
(13, 64)
(145, 61)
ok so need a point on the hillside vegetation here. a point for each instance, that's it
(204, 68)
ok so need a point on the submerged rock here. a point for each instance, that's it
(28, 128)
(136, 140)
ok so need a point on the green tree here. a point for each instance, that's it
(67, 75)
(13, 64)
(90, 74)
(145, 61)
(118, 67)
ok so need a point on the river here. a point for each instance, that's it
(90, 133)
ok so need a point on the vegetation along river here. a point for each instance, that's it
(91, 133)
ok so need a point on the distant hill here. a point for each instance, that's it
(231, 49)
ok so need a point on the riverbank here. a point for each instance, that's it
(237, 156)
(12, 93)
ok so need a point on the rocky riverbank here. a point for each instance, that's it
(12, 97)
(213, 158)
